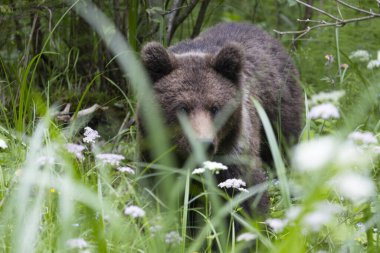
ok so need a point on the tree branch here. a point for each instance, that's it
(179, 17)
(317, 9)
(201, 17)
(337, 22)
(172, 15)
(370, 12)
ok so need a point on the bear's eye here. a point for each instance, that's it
(183, 109)
(214, 110)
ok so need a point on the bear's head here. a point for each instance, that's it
(198, 85)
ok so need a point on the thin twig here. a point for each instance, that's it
(312, 21)
(317, 9)
(357, 8)
(339, 22)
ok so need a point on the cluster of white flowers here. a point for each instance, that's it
(3, 144)
(126, 170)
(324, 111)
(77, 243)
(322, 215)
(374, 63)
(356, 187)
(214, 167)
(134, 211)
(364, 56)
(318, 153)
(233, 183)
(376, 150)
(246, 237)
(173, 237)
(45, 160)
(198, 171)
(323, 97)
(156, 228)
(315, 154)
(360, 55)
(363, 138)
(76, 150)
(111, 159)
(324, 105)
(293, 212)
(277, 225)
(90, 135)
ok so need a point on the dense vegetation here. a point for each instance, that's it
(65, 70)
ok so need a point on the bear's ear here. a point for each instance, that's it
(229, 61)
(157, 60)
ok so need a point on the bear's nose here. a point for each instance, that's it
(209, 146)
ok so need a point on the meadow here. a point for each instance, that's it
(70, 179)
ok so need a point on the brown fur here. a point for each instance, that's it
(228, 64)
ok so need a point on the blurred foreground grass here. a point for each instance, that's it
(63, 189)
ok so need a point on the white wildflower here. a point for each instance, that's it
(373, 64)
(360, 55)
(293, 212)
(316, 220)
(277, 225)
(90, 135)
(324, 111)
(353, 186)
(154, 229)
(321, 216)
(233, 183)
(246, 237)
(198, 171)
(214, 166)
(134, 211)
(376, 150)
(364, 138)
(173, 237)
(78, 243)
(45, 160)
(3, 144)
(323, 97)
(349, 154)
(315, 154)
(126, 170)
(76, 150)
(112, 159)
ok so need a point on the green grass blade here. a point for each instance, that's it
(276, 154)
(185, 210)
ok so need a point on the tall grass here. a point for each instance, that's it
(323, 200)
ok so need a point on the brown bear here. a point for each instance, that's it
(227, 65)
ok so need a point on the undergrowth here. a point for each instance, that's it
(65, 187)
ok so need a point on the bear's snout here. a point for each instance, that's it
(204, 130)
